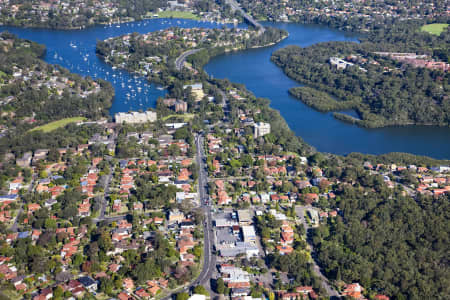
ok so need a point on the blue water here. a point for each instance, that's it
(254, 69)
(75, 50)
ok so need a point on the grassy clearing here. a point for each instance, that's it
(186, 117)
(178, 15)
(436, 28)
(57, 124)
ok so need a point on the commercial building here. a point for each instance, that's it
(249, 234)
(235, 277)
(233, 250)
(261, 129)
(135, 117)
(244, 217)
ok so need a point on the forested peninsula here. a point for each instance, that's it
(396, 76)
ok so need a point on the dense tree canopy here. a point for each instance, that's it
(388, 242)
(385, 93)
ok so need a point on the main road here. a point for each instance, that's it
(209, 262)
(234, 6)
(209, 259)
(179, 62)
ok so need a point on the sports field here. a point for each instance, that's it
(436, 28)
(178, 15)
(186, 117)
(57, 124)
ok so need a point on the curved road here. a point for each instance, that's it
(182, 58)
(234, 6)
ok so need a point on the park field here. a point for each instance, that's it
(186, 117)
(57, 124)
(178, 15)
(436, 28)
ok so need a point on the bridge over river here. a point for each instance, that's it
(235, 6)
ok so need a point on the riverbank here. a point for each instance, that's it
(251, 68)
(201, 46)
(383, 90)
(321, 129)
(201, 58)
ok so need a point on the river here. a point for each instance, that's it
(75, 50)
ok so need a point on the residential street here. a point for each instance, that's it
(105, 194)
(301, 211)
(30, 189)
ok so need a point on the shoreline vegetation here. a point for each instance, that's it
(381, 236)
(75, 15)
(363, 202)
(319, 100)
(198, 60)
(384, 91)
(201, 58)
(211, 47)
(36, 95)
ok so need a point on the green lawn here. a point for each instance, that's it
(57, 124)
(436, 28)
(177, 15)
(186, 117)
